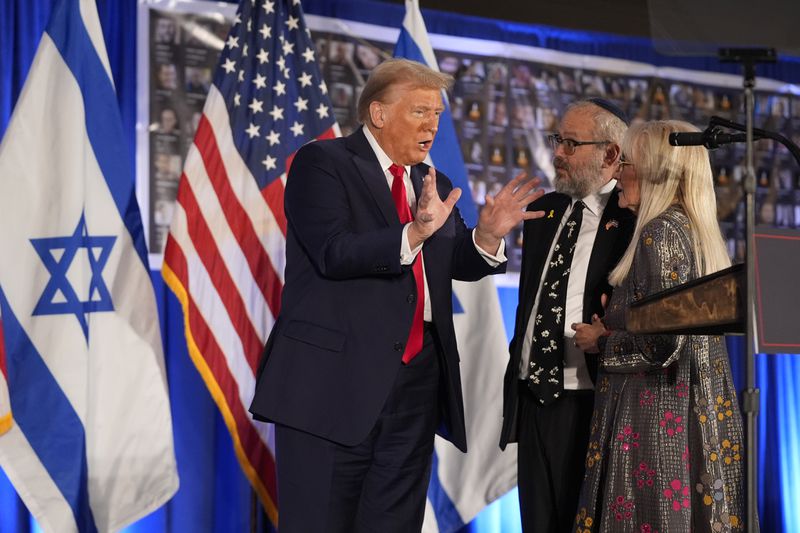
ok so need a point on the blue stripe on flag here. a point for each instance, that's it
(445, 152)
(103, 121)
(447, 517)
(47, 419)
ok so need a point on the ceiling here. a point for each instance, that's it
(624, 17)
(711, 23)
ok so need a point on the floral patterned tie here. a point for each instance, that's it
(546, 372)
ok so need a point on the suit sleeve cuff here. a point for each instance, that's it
(407, 255)
(492, 260)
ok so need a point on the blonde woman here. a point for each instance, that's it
(666, 450)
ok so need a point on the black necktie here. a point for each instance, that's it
(546, 372)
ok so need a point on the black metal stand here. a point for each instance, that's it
(750, 395)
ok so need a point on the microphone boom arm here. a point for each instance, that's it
(758, 133)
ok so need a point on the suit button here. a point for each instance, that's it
(411, 298)
(398, 346)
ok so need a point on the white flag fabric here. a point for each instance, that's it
(463, 484)
(90, 445)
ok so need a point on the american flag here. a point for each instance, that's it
(224, 256)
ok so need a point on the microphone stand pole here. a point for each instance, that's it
(750, 395)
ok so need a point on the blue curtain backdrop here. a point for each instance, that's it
(214, 495)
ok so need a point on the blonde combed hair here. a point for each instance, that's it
(398, 71)
(671, 175)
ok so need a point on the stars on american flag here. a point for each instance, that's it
(252, 130)
(277, 100)
(256, 106)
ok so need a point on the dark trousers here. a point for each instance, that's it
(379, 485)
(551, 456)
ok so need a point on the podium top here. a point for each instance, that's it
(711, 305)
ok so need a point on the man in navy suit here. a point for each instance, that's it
(551, 424)
(361, 368)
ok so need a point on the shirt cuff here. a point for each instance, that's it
(493, 260)
(407, 255)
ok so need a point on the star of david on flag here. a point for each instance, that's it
(58, 254)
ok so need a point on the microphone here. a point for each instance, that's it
(710, 138)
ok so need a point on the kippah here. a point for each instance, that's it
(611, 107)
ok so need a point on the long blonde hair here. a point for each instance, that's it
(673, 175)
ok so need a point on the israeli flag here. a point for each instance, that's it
(88, 445)
(463, 484)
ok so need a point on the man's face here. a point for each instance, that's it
(579, 174)
(407, 122)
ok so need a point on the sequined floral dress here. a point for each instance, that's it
(666, 450)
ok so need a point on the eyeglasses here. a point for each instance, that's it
(569, 145)
(624, 161)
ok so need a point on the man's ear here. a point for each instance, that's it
(376, 114)
(611, 155)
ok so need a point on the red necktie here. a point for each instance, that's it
(414, 343)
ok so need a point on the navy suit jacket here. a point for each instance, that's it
(348, 303)
(613, 235)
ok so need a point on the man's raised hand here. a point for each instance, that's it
(506, 210)
(431, 210)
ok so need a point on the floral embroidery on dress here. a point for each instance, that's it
(643, 475)
(704, 410)
(730, 452)
(646, 397)
(593, 454)
(583, 522)
(628, 438)
(678, 493)
(710, 488)
(723, 409)
(621, 508)
(672, 424)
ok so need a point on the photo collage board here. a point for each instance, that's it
(503, 108)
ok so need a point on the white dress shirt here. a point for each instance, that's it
(576, 375)
(407, 255)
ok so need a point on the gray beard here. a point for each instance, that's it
(582, 181)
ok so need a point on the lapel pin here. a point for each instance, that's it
(550, 214)
(612, 224)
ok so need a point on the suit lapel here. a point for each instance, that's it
(607, 233)
(418, 171)
(372, 175)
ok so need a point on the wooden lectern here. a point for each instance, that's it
(711, 305)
